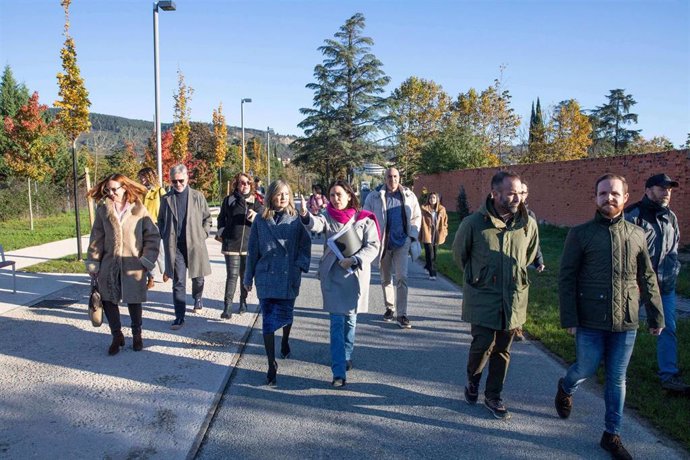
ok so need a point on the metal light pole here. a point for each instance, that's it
(268, 156)
(244, 154)
(165, 6)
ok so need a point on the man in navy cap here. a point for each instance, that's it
(661, 227)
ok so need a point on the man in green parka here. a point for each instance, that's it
(493, 247)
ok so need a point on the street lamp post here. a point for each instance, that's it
(244, 154)
(165, 6)
(268, 156)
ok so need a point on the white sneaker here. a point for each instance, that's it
(432, 278)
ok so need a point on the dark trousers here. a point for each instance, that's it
(492, 346)
(234, 266)
(179, 287)
(112, 312)
(430, 254)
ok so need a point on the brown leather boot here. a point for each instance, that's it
(118, 341)
(137, 343)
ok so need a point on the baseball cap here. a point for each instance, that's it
(660, 179)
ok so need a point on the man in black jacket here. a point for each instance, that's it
(605, 272)
(660, 224)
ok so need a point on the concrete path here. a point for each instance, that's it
(404, 397)
(31, 287)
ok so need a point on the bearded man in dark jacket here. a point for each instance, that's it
(605, 273)
(660, 224)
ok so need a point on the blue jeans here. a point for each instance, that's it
(667, 344)
(615, 348)
(342, 342)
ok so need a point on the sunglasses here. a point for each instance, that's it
(177, 181)
(244, 182)
(112, 190)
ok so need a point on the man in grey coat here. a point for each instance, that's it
(184, 221)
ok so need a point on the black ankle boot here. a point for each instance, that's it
(118, 341)
(243, 306)
(271, 378)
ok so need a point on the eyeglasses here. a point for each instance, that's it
(112, 190)
(244, 182)
(177, 181)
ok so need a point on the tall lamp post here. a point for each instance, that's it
(165, 6)
(244, 154)
(268, 156)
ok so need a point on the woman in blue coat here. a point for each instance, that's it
(279, 251)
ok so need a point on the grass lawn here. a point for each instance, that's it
(683, 285)
(67, 264)
(16, 234)
(671, 414)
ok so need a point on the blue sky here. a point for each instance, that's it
(267, 49)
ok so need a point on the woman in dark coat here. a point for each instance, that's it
(234, 222)
(279, 252)
(123, 248)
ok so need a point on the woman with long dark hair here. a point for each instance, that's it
(234, 222)
(345, 283)
(123, 247)
(279, 252)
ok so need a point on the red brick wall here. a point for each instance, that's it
(562, 192)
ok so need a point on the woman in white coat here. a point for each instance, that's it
(344, 294)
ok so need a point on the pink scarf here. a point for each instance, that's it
(343, 216)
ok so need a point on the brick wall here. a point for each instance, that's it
(562, 192)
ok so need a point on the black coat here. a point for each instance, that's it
(235, 221)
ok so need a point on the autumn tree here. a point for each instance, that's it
(489, 116)
(73, 105)
(653, 145)
(419, 109)
(30, 144)
(181, 117)
(569, 132)
(347, 106)
(220, 136)
(611, 118)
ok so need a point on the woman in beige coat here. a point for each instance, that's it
(434, 231)
(123, 247)
(344, 283)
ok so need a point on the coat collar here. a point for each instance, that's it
(277, 229)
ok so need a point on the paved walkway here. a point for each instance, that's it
(63, 396)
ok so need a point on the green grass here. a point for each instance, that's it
(67, 264)
(16, 233)
(671, 414)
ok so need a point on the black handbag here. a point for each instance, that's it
(95, 304)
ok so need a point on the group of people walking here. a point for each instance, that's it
(606, 274)
(610, 266)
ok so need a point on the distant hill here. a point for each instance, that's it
(109, 134)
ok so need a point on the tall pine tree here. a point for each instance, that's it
(611, 118)
(347, 105)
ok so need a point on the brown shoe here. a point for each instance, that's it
(150, 284)
(563, 401)
(118, 341)
(137, 343)
(612, 444)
